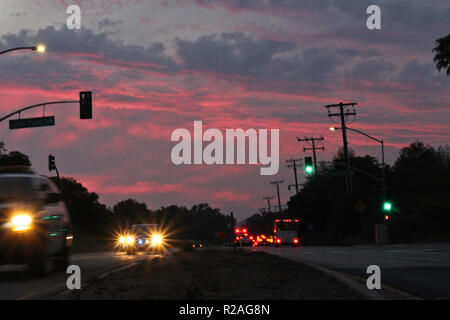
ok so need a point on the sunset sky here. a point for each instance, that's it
(155, 66)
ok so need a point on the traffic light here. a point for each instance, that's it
(387, 206)
(86, 105)
(386, 217)
(309, 168)
(51, 163)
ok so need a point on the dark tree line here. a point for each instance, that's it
(418, 185)
(90, 217)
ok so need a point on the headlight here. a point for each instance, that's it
(130, 239)
(21, 222)
(157, 239)
(122, 239)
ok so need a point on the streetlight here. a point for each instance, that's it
(382, 151)
(39, 48)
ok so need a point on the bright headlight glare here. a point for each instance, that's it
(157, 239)
(21, 222)
(122, 239)
(130, 239)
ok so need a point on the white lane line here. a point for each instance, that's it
(103, 275)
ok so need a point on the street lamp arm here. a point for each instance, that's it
(35, 106)
(19, 48)
(363, 133)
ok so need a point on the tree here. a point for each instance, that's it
(13, 158)
(442, 54)
(88, 215)
(129, 212)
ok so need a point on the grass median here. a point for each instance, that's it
(215, 274)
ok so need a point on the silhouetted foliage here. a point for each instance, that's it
(129, 212)
(418, 185)
(14, 158)
(88, 215)
(442, 54)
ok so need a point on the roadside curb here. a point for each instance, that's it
(347, 281)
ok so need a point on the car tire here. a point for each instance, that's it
(62, 261)
(38, 264)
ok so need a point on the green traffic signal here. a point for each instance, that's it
(387, 206)
(309, 169)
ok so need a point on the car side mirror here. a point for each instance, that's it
(53, 197)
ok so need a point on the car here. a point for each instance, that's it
(197, 244)
(243, 241)
(142, 237)
(35, 226)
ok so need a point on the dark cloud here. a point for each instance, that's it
(240, 55)
(86, 42)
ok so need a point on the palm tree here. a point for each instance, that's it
(442, 57)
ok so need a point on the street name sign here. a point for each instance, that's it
(31, 122)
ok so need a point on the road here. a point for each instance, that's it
(420, 270)
(16, 283)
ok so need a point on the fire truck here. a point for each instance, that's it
(286, 232)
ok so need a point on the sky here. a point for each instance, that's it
(156, 66)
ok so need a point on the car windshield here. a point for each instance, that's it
(16, 189)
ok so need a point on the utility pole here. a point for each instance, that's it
(349, 111)
(312, 142)
(294, 165)
(233, 226)
(278, 191)
(268, 202)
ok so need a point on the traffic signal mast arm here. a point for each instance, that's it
(85, 106)
(35, 106)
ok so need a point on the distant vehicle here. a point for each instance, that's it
(197, 244)
(142, 237)
(243, 241)
(263, 240)
(286, 232)
(242, 237)
(35, 225)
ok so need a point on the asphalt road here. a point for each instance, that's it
(16, 283)
(420, 270)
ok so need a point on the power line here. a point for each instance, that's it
(342, 114)
(268, 201)
(294, 165)
(278, 191)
